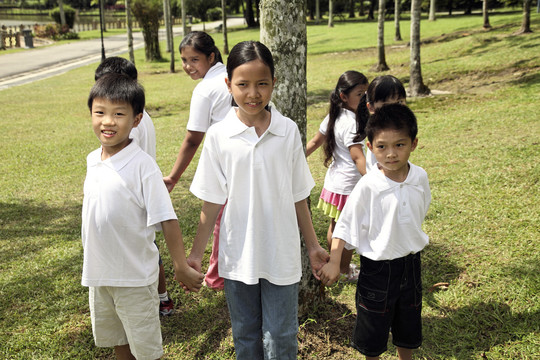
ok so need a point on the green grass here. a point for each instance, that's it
(479, 144)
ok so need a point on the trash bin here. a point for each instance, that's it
(28, 38)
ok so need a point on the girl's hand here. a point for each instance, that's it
(169, 183)
(318, 257)
(189, 278)
(329, 274)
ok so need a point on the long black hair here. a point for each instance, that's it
(381, 88)
(203, 43)
(346, 82)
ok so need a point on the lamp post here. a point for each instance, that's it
(101, 30)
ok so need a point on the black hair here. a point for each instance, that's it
(203, 43)
(118, 65)
(381, 88)
(118, 88)
(346, 82)
(392, 116)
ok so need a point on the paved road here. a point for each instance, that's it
(40, 63)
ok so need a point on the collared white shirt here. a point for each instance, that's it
(210, 101)
(261, 178)
(124, 196)
(382, 219)
(342, 174)
(145, 135)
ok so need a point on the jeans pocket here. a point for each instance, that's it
(371, 300)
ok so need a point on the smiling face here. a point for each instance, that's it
(251, 86)
(195, 63)
(352, 99)
(112, 123)
(392, 149)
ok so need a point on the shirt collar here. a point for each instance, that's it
(216, 69)
(385, 183)
(236, 127)
(118, 160)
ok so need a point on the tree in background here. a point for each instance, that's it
(485, 14)
(129, 28)
(148, 13)
(330, 13)
(416, 83)
(397, 12)
(526, 22)
(432, 10)
(283, 30)
(224, 19)
(381, 65)
(199, 8)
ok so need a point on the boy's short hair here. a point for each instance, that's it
(118, 65)
(118, 88)
(392, 116)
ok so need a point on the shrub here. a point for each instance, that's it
(69, 12)
(214, 14)
(55, 32)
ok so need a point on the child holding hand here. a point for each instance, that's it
(254, 161)
(382, 220)
(124, 198)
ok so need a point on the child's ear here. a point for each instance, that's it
(370, 108)
(414, 144)
(370, 147)
(138, 119)
(228, 83)
(343, 97)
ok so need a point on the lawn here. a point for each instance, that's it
(478, 141)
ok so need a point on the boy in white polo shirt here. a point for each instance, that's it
(382, 220)
(124, 198)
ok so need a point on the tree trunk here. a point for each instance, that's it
(62, 13)
(286, 37)
(250, 19)
(381, 65)
(432, 10)
(330, 13)
(371, 12)
(416, 84)
(224, 18)
(129, 26)
(184, 18)
(148, 13)
(397, 9)
(169, 32)
(361, 11)
(318, 11)
(485, 14)
(526, 21)
(102, 14)
(352, 3)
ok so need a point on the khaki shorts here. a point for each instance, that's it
(127, 315)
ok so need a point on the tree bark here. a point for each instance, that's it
(397, 14)
(416, 84)
(283, 30)
(330, 13)
(129, 26)
(432, 10)
(381, 65)
(224, 18)
(526, 20)
(62, 13)
(485, 14)
(148, 13)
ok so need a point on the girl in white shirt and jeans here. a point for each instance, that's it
(254, 161)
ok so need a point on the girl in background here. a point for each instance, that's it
(254, 161)
(344, 155)
(210, 102)
(386, 89)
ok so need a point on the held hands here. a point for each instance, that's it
(194, 264)
(329, 273)
(169, 183)
(318, 258)
(189, 278)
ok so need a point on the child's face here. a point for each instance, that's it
(352, 99)
(392, 149)
(112, 122)
(251, 87)
(194, 63)
(379, 104)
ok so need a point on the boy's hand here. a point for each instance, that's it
(189, 278)
(329, 273)
(318, 257)
(169, 183)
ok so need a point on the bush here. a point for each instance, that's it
(55, 32)
(214, 14)
(69, 12)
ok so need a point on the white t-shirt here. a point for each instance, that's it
(342, 173)
(210, 101)
(382, 219)
(371, 161)
(261, 179)
(145, 135)
(124, 196)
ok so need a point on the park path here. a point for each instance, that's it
(42, 62)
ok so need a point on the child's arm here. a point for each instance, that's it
(184, 274)
(357, 154)
(187, 150)
(330, 272)
(318, 257)
(209, 214)
(315, 143)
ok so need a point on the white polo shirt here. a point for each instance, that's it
(124, 196)
(382, 219)
(342, 173)
(210, 101)
(261, 179)
(145, 135)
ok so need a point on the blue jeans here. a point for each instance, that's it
(264, 319)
